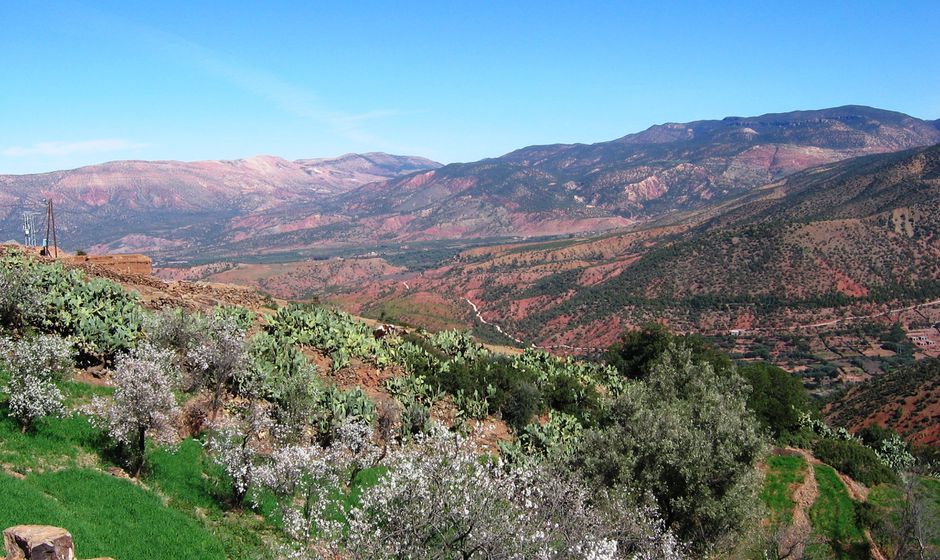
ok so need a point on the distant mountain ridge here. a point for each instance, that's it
(158, 205)
(570, 188)
(577, 188)
(861, 234)
(268, 204)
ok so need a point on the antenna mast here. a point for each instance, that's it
(30, 228)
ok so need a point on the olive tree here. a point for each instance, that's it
(683, 440)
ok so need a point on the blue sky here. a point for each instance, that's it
(82, 83)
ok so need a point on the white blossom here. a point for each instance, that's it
(143, 403)
(441, 499)
(20, 296)
(303, 476)
(218, 357)
(310, 479)
(35, 365)
(236, 445)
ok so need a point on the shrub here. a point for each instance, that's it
(335, 408)
(555, 439)
(523, 401)
(636, 352)
(874, 435)
(333, 332)
(777, 397)
(853, 459)
(566, 393)
(415, 419)
(638, 349)
(279, 372)
(242, 317)
(103, 319)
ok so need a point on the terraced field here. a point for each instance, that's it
(817, 512)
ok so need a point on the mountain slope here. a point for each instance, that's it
(906, 400)
(860, 233)
(222, 209)
(665, 168)
(166, 204)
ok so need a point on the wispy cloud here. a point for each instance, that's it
(62, 148)
(294, 99)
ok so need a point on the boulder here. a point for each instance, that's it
(38, 542)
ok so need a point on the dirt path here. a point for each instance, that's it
(857, 491)
(871, 316)
(479, 316)
(875, 552)
(792, 543)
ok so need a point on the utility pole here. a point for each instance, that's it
(50, 228)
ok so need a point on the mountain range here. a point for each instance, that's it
(852, 237)
(170, 206)
(268, 205)
(564, 188)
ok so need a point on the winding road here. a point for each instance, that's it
(479, 315)
(872, 316)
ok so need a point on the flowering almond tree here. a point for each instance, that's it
(310, 480)
(143, 403)
(236, 445)
(218, 357)
(440, 498)
(20, 296)
(35, 365)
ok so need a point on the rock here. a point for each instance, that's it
(38, 542)
(117, 472)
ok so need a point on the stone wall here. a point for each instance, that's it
(127, 264)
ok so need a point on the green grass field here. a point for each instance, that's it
(932, 486)
(53, 442)
(190, 483)
(53, 475)
(179, 513)
(107, 516)
(784, 473)
(834, 520)
(182, 508)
